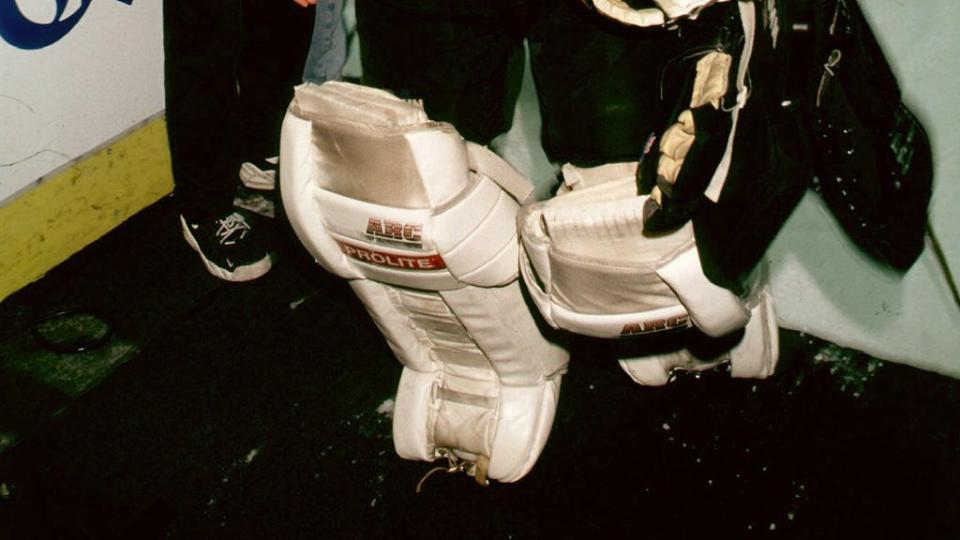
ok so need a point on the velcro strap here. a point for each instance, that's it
(467, 411)
(486, 162)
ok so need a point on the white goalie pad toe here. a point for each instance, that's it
(754, 356)
(520, 435)
(423, 225)
(422, 424)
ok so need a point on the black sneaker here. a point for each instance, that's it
(230, 247)
(260, 174)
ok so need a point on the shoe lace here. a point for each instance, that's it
(231, 229)
(476, 469)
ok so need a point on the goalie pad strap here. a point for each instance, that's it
(486, 162)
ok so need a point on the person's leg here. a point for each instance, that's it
(276, 39)
(328, 45)
(463, 59)
(276, 36)
(598, 84)
(202, 44)
(202, 50)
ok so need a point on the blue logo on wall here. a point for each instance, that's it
(19, 31)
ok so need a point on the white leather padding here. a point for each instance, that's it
(714, 310)
(423, 225)
(299, 186)
(521, 388)
(508, 334)
(757, 354)
(412, 414)
(449, 397)
(484, 253)
(655, 369)
(466, 237)
(591, 269)
(521, 436)
(662, 12)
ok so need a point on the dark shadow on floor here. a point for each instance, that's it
(250, 411)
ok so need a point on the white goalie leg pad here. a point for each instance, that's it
(591, 270)
(423, 224)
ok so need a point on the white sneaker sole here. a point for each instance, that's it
(246, 272)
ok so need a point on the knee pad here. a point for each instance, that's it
(423, 225)
(591, 270)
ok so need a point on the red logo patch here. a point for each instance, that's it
(392, 260)
(391, 231)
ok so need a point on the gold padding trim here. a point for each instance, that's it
(70, 208)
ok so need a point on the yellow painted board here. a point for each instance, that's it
(72, 207)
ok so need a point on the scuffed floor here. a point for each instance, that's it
(261, 410)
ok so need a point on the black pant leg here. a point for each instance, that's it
(276, 39)
(463, 59)
(598, 84)
(202, 51)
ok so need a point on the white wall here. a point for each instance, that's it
(60, 101)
